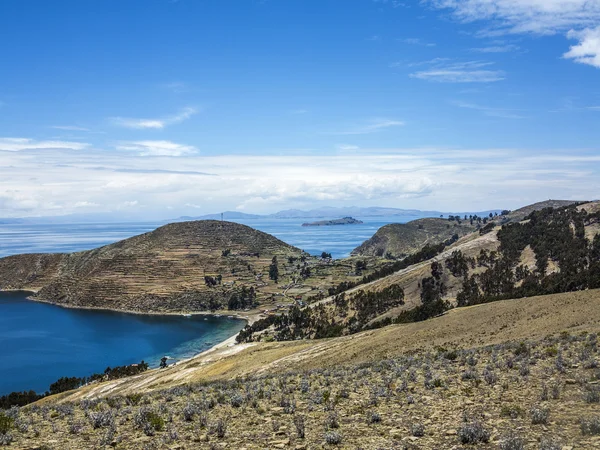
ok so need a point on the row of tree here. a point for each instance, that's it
(69, 383)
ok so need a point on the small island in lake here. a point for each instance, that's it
(325, 223)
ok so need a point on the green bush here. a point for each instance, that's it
(155, 421)
(6, 423)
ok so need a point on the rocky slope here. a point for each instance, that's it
(401, 239)
(163, 270)
(556, 250)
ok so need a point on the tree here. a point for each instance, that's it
(274, 270)
(210, 281)
(360, 266)
(325, 255)
(163, 362)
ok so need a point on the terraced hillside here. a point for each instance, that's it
(158, 271)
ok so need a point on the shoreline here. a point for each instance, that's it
(249, 317)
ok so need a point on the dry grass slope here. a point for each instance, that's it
(507, 375)
(402, 239)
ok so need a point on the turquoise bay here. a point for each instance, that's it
(41, 343)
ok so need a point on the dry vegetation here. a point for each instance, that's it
(519, 395)
(507, 375)
(165, 270)
(401, 239)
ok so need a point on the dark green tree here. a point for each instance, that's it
(274, 270)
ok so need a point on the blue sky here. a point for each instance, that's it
(158, 108)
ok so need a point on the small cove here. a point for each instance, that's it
(41, 342)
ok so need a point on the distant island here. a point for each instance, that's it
(326, 223)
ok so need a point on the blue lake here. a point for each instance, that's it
(41, 342)
(48, 238)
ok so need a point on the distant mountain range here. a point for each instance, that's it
(332, 212)
(324, 212)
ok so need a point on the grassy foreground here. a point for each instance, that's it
(507, 375)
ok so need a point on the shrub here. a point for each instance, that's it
(333, 438)
(490, 377)
(469, 374)
(417, 429)
(236, 400)
(133, 399)
(539, 415)
(75, 427)
(101, 419)
(451, 355)
(592, 394)
(332, 421)
(512, 411)
(300, 426)
(6, 423)
(555, 390)
(149, 421)
(374, 417)
(220, 428)
(188, 412)
(550, 444)
(5, 439)
(512, 441)
(472, 432)
(590, 426)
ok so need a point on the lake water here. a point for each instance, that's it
(48, 238)
(41, 343)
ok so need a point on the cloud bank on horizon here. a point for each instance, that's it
(441, 104)
(167, 186)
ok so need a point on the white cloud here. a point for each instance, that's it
(496, 48)
(459, 72)
(374, 126)
(157, 148)
(504, 113)
(588, 49)
(158, 124)
(416, 41)
(70, 128)
(20, 144)
(424, 178)
(580, 19)
(526, 16)
(347, 147)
